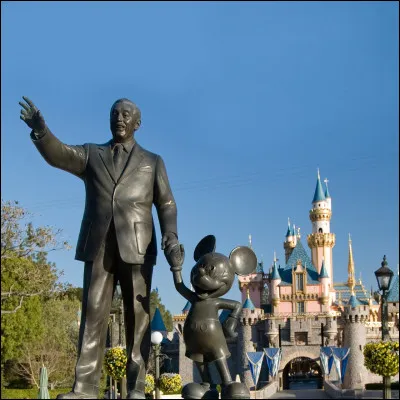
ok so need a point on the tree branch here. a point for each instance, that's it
(15, 309)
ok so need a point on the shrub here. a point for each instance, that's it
(149, 384)
(170, 383)
(30, 393)
(115, 363)
(381, 358)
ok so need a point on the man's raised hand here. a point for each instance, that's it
(32, 116)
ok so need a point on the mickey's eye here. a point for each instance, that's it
(211, 270)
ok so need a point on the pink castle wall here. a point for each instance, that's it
(285, 307)
(313, 306)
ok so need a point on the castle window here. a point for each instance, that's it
(300, 307)
(299, 282)
(320, 230)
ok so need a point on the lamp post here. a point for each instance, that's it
(384, 277)
(156, 339)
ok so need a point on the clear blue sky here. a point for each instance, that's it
(243, 100)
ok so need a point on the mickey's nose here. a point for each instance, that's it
(202, 271)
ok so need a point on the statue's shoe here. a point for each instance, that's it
(75, 395)
(199, 391)
(135, 394)
(235, 390)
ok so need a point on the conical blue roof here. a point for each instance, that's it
(224, 315)
(354, 302)
(260, 268)
(323, 273)
(327, 195)
(187, 307)
(248, 304)
(275, 273)
(393, 293)
(157, 323)
(319, 193)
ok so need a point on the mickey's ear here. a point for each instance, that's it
(243, 260)
(205, 246)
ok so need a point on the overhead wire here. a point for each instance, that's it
(215, 182)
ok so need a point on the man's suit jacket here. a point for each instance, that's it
(126, 200)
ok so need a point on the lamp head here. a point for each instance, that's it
(384, 275)
(156, 337)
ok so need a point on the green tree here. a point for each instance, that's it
(25, 271)
(56, 348)
(155, 301)
(26, 276)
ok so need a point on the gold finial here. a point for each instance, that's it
(350, 268)
(248, 292)
(274, 256)
(318, 173)
(250, 242)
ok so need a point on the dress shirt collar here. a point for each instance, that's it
(127, 146)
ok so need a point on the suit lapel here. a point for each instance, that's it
(106, 156)
(133, 161)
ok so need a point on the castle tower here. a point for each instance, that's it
(290, 242)
(323, 277)
(355, 315)
(274, 292)
(321, 240)
(245, 341)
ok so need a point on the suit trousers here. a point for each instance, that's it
(99, 282)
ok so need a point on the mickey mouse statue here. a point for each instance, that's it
(212, 276)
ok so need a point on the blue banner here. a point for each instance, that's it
(255, 362)
(326, 357)
(273, 355)
(340, 356)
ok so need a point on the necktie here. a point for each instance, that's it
(117, 158)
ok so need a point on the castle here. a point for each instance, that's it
(300, 308)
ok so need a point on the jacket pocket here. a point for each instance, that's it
(143, 232)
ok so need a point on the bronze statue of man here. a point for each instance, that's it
(117, 241)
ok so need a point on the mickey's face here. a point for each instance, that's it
(212, 276)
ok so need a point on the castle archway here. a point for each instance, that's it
(302, 373)
(300, 364)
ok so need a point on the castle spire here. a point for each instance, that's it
(327, 195)
(319, 193)
(288, 233)
(350, 268)
(250, 242)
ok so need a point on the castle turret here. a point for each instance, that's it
(186, 309)
(355, 315)
(321, 240)
(275, 281)
(323, 277)
(290, 241)
(327, 195)
(249, 317)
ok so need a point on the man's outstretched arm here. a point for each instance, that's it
(69, 158)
